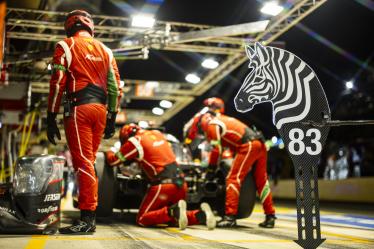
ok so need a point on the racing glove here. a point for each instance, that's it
(52, 129)
(110, 122)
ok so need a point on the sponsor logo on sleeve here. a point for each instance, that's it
(93, 58)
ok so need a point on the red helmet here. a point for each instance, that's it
(215, 104)
(197, 125)
(128, 131)
(78, 20)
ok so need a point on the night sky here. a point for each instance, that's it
(335, 40)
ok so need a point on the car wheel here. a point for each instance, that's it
(247, 197)
(107, 186)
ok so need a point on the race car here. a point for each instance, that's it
(124, 187)
(31, 204)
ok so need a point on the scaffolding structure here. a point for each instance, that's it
(227, 42)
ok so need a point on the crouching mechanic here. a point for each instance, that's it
(224, 131)
(164, 201)
(86, 71)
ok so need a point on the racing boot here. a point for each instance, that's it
(206, 216)
(268, 222)
(227, 221)
(86, 224)
(179, 212)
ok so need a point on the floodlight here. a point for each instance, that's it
(349, 84)
(210, 63)
(192, 78)
(143, 124)
(143, 21)
(271, 8)
(166, 104)
(152, 84)
(158, 111)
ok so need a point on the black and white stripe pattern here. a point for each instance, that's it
(279, 77)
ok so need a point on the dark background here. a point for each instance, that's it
(346, 25)
(336, 40)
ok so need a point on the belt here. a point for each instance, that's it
(250, 135)
(170, 174)
(89, 94)
(89, 100)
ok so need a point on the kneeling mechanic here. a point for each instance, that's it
(164, 201)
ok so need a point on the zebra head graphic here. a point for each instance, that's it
(290, 85)
(279, 77)
(259, 84)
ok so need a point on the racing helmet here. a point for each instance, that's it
(215, 104)
(78, 20)
(196, 126)
(127, 131)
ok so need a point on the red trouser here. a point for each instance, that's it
(84, 130)
(247, 155)
(154, 207)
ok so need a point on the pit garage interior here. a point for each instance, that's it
(181, 54)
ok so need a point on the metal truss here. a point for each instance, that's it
(300, 10)
(47, 26)
(278, 26)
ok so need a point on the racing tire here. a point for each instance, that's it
(247, 197)
(107, 186)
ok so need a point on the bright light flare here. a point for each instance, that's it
(274, 139)
(158, 111)
(271, 8)
(152, 84)
(349, 84)
(143, 21)
(166, 104)
(143, 124)
(192, 78)
(210, 63)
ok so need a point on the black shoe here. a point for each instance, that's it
(227, 221)
(86, 225)
(269, 221)
(179, 212)
(78, 227)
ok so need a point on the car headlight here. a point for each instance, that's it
(34, 172)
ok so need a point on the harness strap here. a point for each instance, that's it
(250, 135)
(171, 174)
(90, 94)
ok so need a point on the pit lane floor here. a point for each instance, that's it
(342, 226)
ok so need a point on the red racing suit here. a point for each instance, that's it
(154, 154)
(224, 131)
(78, 62)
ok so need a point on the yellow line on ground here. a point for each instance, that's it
(36, 242)
(173, 229)
(346, 237)
(185, 238)
(349, 237)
